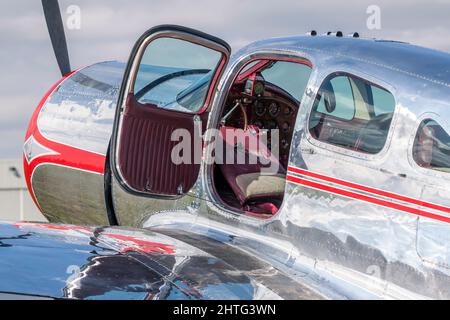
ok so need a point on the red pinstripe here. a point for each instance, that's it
(366, 198)
(370, 190)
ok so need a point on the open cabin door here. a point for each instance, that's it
(166, 93)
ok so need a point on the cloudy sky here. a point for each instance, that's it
(110, 27)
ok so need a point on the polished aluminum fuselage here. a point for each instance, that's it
(339, 246)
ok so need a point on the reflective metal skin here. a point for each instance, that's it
(64, 261)
(352, 225)
(67, 141)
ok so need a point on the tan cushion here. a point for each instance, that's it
(257, 185)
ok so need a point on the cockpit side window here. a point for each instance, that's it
(352, 113)
(432, 146)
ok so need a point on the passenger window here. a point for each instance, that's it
(345, 104)
(432, 146)
(382, 101)
(352, 113)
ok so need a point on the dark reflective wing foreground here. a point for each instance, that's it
(63, 261)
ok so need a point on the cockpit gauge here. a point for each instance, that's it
(260, 109)
(287, 111)
(258, 88)
(255, 85)
(274, 109)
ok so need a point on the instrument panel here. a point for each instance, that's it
(275, 113)
(271, 110)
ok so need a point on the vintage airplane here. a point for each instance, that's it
(358, 206)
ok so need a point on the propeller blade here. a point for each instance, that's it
(56, 30)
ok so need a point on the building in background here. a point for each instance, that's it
(15, 200)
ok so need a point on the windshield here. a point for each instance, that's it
(291, 77)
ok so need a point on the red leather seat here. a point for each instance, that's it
(251, 181)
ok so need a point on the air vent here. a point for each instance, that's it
(338, 34)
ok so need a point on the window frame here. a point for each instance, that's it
(444, 124)
(339, 149)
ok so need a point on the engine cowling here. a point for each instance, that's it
(67, 141)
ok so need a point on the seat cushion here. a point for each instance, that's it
(256, 185)
(250, 180)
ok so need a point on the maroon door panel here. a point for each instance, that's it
(145, 149)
